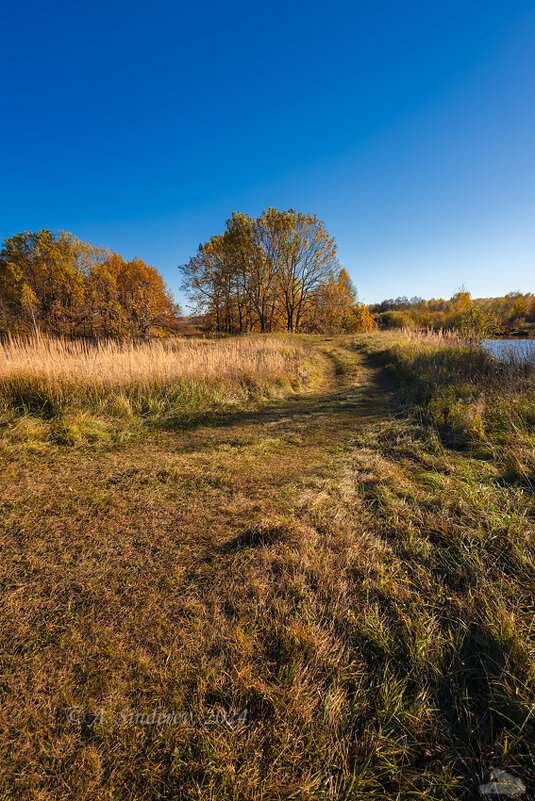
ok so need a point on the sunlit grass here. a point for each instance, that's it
(472, 398)
(356, 581)
(50, 378)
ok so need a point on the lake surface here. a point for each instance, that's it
(511, 349)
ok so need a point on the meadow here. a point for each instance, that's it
(80, 389)
(265, 568)
(471, 398)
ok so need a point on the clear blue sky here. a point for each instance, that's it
(409, 127)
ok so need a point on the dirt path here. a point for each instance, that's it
(311, 590)
(159, 575)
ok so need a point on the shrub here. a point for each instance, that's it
(394, 319)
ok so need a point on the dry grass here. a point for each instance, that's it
(363, 591)
(111, 366)
(175, 380)
(473, 399)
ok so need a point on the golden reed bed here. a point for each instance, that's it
(54, 375)
(167, 360)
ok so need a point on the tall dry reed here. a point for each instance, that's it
(50, 376)
(473, 398)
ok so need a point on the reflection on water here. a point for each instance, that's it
(511, 349)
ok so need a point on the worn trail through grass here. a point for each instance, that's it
(313, 562)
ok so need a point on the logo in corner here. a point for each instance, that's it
(502, 783)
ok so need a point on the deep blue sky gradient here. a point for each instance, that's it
(409, 127)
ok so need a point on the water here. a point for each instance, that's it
(522, 350)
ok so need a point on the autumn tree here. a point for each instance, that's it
(206, 277)
(262, 273)
(258, 273)
(42, 276)
(461, 312)
(58, 284)
(304, 255)
(359, 318)
(106, 315)
(144, 297)
(333, 302)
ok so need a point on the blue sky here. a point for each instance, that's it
(409, 127)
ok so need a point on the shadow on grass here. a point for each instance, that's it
(257, 536)
(341, 407)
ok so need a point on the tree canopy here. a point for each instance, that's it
(278, 271)
(514, 311)
(55, 283)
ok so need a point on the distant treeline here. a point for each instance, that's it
(57, 284)
(512, 312)
(275, 272)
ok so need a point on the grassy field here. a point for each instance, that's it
(78, 393)
(266, 568)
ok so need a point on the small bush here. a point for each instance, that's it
(394, 319)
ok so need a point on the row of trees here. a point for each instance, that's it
(278, 271)
(58, 284)
(501, 314)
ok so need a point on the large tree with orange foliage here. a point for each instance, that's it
(57, 284)
(278, 271)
